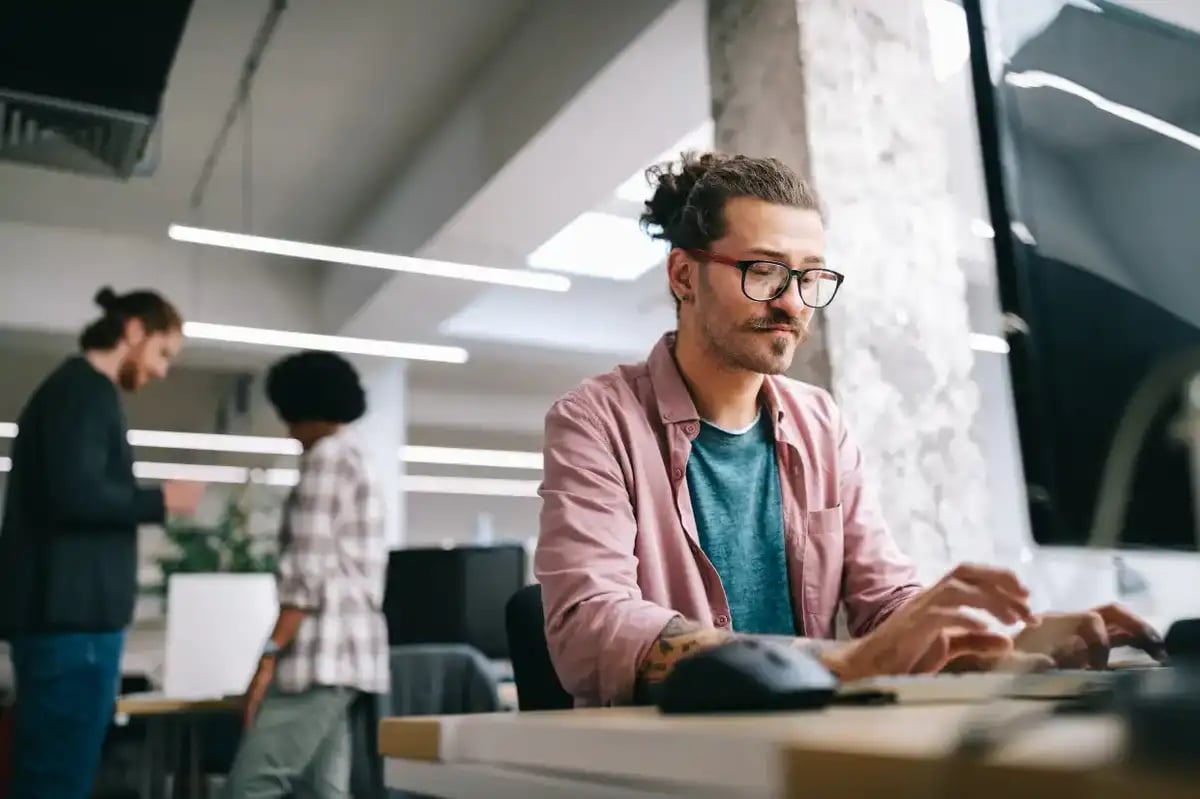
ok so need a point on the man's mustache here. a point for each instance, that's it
(779, 319)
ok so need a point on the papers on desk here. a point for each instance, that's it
(216, 627)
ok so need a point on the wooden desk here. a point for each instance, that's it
(897, 752)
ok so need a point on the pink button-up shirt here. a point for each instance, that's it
(618, 555)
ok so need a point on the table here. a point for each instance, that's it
(637, 753)
(159, 712)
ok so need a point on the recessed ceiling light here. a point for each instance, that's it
(600, 245)
(376, 260)
(313, 341)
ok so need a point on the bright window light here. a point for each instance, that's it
(1035, 79)
(497, 458)
(948, 43)
(376, 260)
(600, 245)
(635, 189)
(313, 341)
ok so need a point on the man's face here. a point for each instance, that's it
(149, 358)
(744, 334)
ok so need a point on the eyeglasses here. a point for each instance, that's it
(763, 281)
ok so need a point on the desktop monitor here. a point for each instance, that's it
(1089, 121)
(453, 595)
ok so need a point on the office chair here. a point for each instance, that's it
(538, 687)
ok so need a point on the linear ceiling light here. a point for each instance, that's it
(519, 278)
(411, 483)
(457, 456)
(984, 342)
(215, 442)
(314, 341)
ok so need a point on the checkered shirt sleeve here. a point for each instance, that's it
(332, 563)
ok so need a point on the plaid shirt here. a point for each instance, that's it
(332, 563)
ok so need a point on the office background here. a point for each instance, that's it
(511, 133)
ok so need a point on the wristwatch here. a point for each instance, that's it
(270, 648)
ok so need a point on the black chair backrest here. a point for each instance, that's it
(538, 687)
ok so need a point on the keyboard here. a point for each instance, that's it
(978, 687)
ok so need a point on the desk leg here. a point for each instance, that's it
(154, 770)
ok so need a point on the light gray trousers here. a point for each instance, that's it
(299, 744)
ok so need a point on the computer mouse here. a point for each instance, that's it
(747, 675)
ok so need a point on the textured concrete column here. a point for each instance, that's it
(844, 91)
(383, 431)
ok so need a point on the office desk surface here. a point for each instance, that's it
(896, 751)
(157, 704)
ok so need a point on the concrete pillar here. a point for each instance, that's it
(383, 431)
(844, 91)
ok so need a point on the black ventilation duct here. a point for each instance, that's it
(81, 83)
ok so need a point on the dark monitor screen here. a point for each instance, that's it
(1089, 119)
(452, 595)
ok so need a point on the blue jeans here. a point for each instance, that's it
(66, 690)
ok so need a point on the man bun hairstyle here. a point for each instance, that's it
(154, 311)
(316, 387)
(687, 207)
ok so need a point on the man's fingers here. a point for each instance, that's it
(1126, 628)
(1094, 634)
(1004, 579)
(1005, 606)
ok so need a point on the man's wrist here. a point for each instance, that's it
(270, 650)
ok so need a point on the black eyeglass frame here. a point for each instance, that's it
(793, 274)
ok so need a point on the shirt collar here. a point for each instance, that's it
(675, 401)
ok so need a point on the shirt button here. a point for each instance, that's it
(677, 473)
(721, 620)
(691, 429)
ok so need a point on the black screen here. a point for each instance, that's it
(452, 596)
(1090, 125)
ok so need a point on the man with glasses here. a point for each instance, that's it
(701, 495)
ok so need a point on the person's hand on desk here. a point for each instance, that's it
(1084, 639)
(932, 630)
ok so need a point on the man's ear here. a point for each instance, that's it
(135, 331)
(682, 275)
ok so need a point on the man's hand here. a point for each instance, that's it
(257, 689)
(182, 497)
(932, 629)
(1083, 640)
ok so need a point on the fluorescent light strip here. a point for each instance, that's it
(278, 445)
(475, 486)
(1036, 79)
(455, 456)
(215, 442)
(5, 464)
(519, 278)
(411, 483)
(314, 341)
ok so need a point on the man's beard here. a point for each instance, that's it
(128, 375)
(751, 359)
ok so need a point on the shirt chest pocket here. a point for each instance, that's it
(823, 556)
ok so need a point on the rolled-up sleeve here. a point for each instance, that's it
(598, 626)
(877, 576)
(308, 557)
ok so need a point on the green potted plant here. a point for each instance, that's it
(228, 546)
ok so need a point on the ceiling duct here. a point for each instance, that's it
(81, 84)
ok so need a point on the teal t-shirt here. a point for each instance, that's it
(734, 483)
